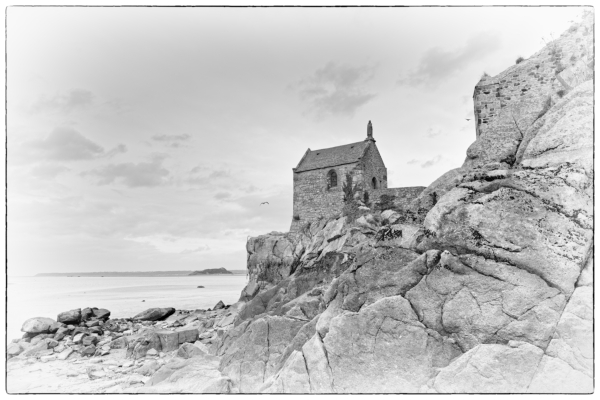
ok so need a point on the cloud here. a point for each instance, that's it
(413, 161)
(121, 148)
(174, 141)
(208, 176)
(433, 131)
(431, 162)
(438, 64)
(336, 89)
(221, 173)
(65, 144)
(75, 98)
(144, 174)
(197, 249)
(222, 195)
(170, 138)
(48, 171)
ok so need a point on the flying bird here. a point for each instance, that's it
(468, 119)
(264, 202)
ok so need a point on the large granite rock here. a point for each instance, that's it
(487, 289)
(252, 353)
(38, 325)
(568, 363)
(154, 314)
(491, 368)
(475, 301)
(70, 317)
(384, 349)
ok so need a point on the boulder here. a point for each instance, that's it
(363, 349)
(51, 343)
(251, 350)
(89, 340)
(40, 337)
(59, 348)
(70, 317)
(86, 314)
(154, 314)
(114, 326)
(63, 355)
(201, 346)
(152, 353)
(61, 333)
(188, 350)
(186, 335)
(92, 323)
(47, 358)
(101, 313)
(88, 350)
(490, 368)
(14, 349)
(34, 350)
(38, 325)
(55, 327)
(219, 305)
(79, 337)
(119, 343)
(169, 340)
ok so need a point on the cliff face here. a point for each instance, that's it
(490, 291)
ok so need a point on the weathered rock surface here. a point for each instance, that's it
(491, 368)
(70, 317)
(154, 314)
(567, 364)
(38, 325)
(482, 284)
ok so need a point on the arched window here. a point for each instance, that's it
(374, 183)
(331, 179)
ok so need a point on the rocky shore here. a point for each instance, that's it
(161, 350)
(484, 284)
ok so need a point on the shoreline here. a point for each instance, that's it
(85, 351)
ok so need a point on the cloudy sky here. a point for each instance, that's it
(146, 138)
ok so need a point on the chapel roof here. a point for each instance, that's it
(333, 156)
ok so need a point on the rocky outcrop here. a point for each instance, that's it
(121, 355)
(482, 285)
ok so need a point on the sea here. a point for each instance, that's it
(124, 297)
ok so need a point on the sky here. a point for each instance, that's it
(146, 138)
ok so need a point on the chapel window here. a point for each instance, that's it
(374, 183)
(331, 179)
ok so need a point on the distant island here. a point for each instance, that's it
(212, 271)
(145, 273)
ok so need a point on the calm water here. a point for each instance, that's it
(47, 296)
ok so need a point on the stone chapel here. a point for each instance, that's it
(320, 174)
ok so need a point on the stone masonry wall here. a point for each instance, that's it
(313, 200)
(372, 166)
(507, 104)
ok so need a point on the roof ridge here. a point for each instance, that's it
(341, 145)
